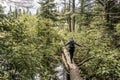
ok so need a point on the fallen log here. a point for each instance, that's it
(72, 68)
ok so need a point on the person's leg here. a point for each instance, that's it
(71, 51)
(71, 56)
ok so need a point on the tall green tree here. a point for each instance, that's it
(47, 9)
(29, 47)
(111, 9)
(1, 9)
(2, 15)
(84, 12)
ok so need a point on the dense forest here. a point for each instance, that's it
(31, 45)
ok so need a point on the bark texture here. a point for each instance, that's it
(72, 68)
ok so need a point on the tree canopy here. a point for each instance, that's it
(30, 45)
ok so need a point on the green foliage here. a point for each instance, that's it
(97, 43)
(48, 10)
(118, 29)
(2, 15)
(117, 37)
(29, 47)
(1, 10)
(100, 43)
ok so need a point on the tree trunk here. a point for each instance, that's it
(107, 17)
(69, 17)
(72, 68)
(65, 6)
(73, 18)
(82, 6)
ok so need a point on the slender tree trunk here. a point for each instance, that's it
(72, 68)
(69, 16)
(106, 12)
(16, 13)
(73, 18)
(65, 6)
(82, 6)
